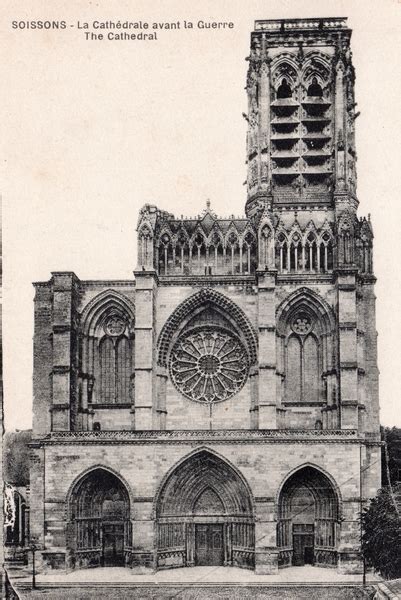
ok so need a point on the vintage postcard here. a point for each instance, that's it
(201, 235)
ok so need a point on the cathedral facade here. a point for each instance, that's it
(221, 408)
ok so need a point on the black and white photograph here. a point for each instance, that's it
(201, 295)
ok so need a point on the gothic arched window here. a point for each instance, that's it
(302, 362)
(115, 363)
(307, 357)
(311, 253)
(107, 355)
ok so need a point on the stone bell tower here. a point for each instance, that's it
(301, 113)
(301, 190)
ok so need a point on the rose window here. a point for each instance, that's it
(209, 366)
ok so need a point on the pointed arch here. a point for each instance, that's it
(182, 235)
(310, 228)
(15, 517)
(103, 305)
(346, 222)
(233, 233)
(295, 230)
(285, 66)
(165, 250)
(364, 244)
(198, 453)
(316, 65)
(107, 349)
(145, 229)
(89, 471)
(284, 90)
(309, 301)
(99, 529)
(200, 301)
(202, 470)
(215, 236)
(248, 242)
(208, 501)
(295, 248)
(308, 504)
(315, 90)
(321, 470)
(282, 248)
(306, 336)
(204, 497)
(311, 248)
(198, 236)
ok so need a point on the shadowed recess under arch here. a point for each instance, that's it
(204, 514)
(99, 531)
(308, 519)
(203, 470)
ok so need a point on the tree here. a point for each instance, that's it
(381, 539)
(392, 436)
(16, 457)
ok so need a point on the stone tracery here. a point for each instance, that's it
(107, 350)
(208, 365)
(306, 347)
(207, 300)
(212, 246)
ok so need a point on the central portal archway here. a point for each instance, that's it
(205, 515)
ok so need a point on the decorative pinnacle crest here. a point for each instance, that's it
(208, 210)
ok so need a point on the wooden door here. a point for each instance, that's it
(303, 549)
(209, 544)
(113, 544)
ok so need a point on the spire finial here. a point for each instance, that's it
(208, 204)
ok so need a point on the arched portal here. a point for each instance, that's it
(99, 529)
(308, 519)
(205, 515)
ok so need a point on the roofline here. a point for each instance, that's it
(314, 24)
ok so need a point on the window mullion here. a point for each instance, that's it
(115, 370)
(302, 369)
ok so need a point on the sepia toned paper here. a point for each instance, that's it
(95, 128)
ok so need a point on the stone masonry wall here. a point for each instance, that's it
(143, 467)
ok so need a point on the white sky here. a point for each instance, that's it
(94, 130)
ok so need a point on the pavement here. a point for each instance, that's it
(195, 583)
(191, 575)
